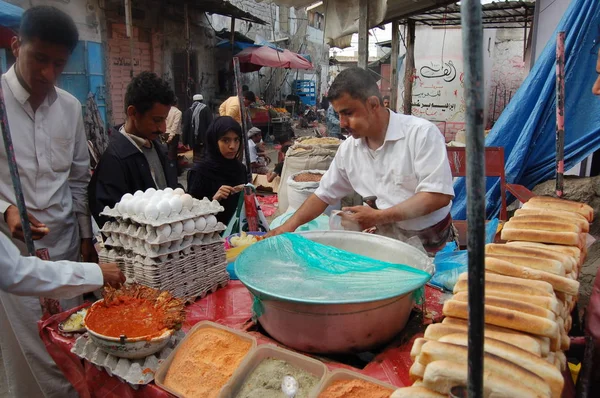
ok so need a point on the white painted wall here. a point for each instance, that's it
(548, 15)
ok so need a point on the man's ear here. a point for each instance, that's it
(373, 102)
(15, 46)
(131, 111)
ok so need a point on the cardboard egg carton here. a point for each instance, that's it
(166, 250)
(135, 372)
(126, 231)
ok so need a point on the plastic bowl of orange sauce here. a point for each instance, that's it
(130, 330)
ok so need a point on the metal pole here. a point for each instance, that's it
(560, 113)
(363, 34)
(472, 34)
(246, 123)
(14, 176)
(129, 31)
(394, 66)
(410, 67)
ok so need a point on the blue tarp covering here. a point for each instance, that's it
(238, 45)
(526, 128)
(10, 15)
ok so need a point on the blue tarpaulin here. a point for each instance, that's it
(526, 128)
(10, 15)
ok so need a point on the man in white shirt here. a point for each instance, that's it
(401, 160)
(173, 132)
(52, 157)
(256, 151)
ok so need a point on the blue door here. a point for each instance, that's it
(84, 73)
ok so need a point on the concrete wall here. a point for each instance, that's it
(85, 13)
(548, 14)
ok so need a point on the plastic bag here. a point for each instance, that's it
(248, 216)
(320, 223)
(291, 267)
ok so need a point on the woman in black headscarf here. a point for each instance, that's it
(220, 175)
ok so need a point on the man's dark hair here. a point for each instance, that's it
(145, 90)
(49, 24)
(249, 95)
(357, 83)
(386, 97)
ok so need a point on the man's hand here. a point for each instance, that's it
(365, 216)
(112, 274)
(88, 251)
(283, 229)
(13, 220)
(224, 192)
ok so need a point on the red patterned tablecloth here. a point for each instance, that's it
(230, 306)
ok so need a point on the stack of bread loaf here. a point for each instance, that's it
(530, 290)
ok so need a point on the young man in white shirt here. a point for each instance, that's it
(52, 157)
(401, 160)
(256, 151)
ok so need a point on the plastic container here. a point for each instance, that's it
(312, 366)
(164, 367)
(343, 374)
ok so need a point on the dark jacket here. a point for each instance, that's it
(123, 169)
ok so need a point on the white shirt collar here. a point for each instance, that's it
(394, 131)
(20, 93)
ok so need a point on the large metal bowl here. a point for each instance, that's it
(131, 348)
(347, 327)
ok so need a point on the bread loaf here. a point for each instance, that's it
(511, 304)
(570, 251)
(530, 249)
(511, 284)
(551, 226)
(416, 347)
(415, 392)
(549, 215)
(562, 360)
(559, 283)
(518, 356)
(438, 330)
(548, 202)
(549, 303)
(504, 334)
(416, 371)
(544, 264)
(534, 235)
(433, 351)
(506, 318)
(441, 376)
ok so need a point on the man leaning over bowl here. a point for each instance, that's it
(401, 160)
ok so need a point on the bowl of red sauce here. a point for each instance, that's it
(132, 329)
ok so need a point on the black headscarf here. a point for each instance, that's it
(214, 170)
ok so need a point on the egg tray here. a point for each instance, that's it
(191, 291)
(149, 234)
(164, 252)
(185, 214)
(134, 372)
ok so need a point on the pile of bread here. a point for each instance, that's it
(530, 290)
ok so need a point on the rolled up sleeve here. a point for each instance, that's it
(431, 163)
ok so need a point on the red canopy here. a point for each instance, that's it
(254, 58)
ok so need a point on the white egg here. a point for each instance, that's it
(211, 222)
(187, 240)
(179, 191)
(121, 207)
(200, 224)
(151, 211)
(127, 197)
(164, 231)
(130, 206)
(168, 191)
(189, 226)
(176, 204)
(164, 209)
(138, 194)
(150, 191)
(176, 229)
(140, 205)
(187, 201)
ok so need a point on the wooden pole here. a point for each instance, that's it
(246, 122)
(560, 113)
(395, 51)
(410, 67)
(363, 34)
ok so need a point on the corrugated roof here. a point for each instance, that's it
(221, 7)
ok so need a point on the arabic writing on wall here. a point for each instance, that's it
(438, 90)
